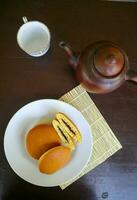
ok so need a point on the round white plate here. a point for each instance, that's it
(37, 112)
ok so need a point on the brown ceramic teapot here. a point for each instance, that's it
(102, 67)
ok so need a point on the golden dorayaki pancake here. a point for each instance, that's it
(54, 159)
(66, 139)
(69, 127)
(40, 139)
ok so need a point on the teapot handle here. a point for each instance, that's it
(131, 76)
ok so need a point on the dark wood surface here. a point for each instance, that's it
(24, 79)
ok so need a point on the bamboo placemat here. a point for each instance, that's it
(105, 143)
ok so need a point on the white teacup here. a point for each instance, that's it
(33, 37)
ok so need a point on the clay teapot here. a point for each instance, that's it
(102, 67)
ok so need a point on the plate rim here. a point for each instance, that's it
(40, 100)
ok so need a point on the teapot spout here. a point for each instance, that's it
(73, 57)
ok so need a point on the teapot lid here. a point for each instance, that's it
(109, 60)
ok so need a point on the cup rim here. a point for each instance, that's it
(29, 22)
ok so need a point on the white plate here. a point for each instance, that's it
(37, 112)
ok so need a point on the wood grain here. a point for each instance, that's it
(24, 79)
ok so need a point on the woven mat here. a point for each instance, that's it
(105, 143)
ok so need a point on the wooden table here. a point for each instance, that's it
(24, 79)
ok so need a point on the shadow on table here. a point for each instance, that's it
(24, 191)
